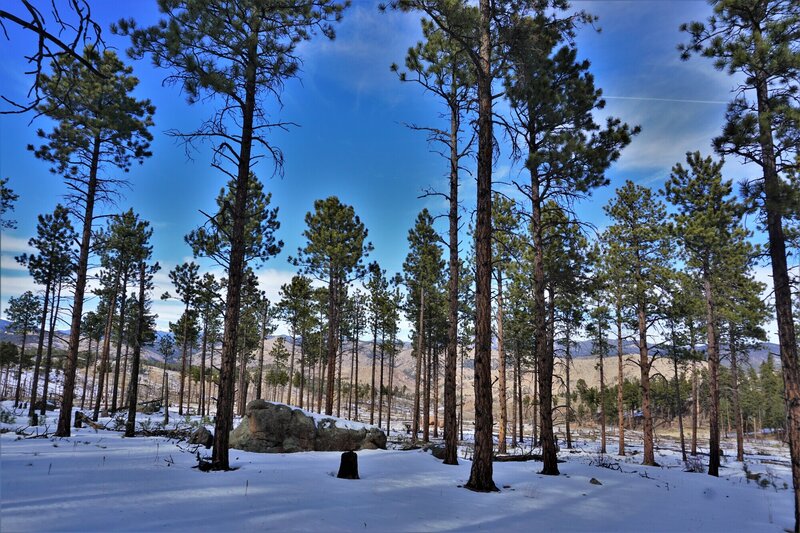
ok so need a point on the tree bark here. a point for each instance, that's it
(501, 354)
(71, 363)
(224, 420)
(133, 388)
(48, 364)
(19, 369)
(420, 350)
(103, 370)
(713, 382)
(649, 457)
(333, 328)
(602, 401)
(620, 383)
(37, 365)
(450, 418)
(568, 416)
(120, 332)
(737, 407)
(480, 478)
(678, 402)
(773, 207)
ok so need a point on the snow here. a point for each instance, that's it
(341, 423)
(101, 481)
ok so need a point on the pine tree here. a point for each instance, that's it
(241, 51)
(99, 129)
(51, 267)
(333, 254)
(639, 240)
(421, 270)
(441, 66)
(553, 97)
(294, 308)
(166, 347)
(145, 326)
(707, 228)
(92, 329)
(209, 304)
(185, 279)
(758, 40)
(22, 312)
(7, 200)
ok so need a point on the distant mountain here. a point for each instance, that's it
(756, 355)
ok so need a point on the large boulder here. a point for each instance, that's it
(277, 428)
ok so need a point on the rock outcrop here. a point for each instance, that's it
(277, 428)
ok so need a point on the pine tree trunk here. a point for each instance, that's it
(679, 403)
(420, 350)
(390, 392)
(120, 330)
(602, 401)
(436, 394)
(695, 409)
(94, 372)
(224, 420)
(183, 358)
(302, 372)
(713, 381)
(514, 408)
(37, 365)
(737, 407)
(124, 371)
(291, 367)
(86, 374)
(620, 383)
(19, 369)
(71, 363)
(353, 346)
(133, 390)
(340, 357)
(780, 278)
(333, 328)
(426, 409)
(649, 457)
(450, 419)
(520, 419)
(103, 370)
(480, 478)
(544, 353)
(203, 392)
(501, 354)
(260, 377)
(374, 366)
(461, 399)
(380, 386)
(568, 416)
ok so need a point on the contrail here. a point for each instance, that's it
(676, 100)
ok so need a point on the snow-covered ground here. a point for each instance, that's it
(100, 481)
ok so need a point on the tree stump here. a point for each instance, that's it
(348, 468)
(78, 419)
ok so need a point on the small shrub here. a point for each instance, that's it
(7, 417)
(695, 464)
(119, 422)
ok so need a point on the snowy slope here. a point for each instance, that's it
(102, 481)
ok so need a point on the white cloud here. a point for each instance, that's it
(14, 244)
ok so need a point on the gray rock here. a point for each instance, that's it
(202, 436)
(275, 428)
(437, 450)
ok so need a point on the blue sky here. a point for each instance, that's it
(351, 140)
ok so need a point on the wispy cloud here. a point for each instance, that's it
(14, 244)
